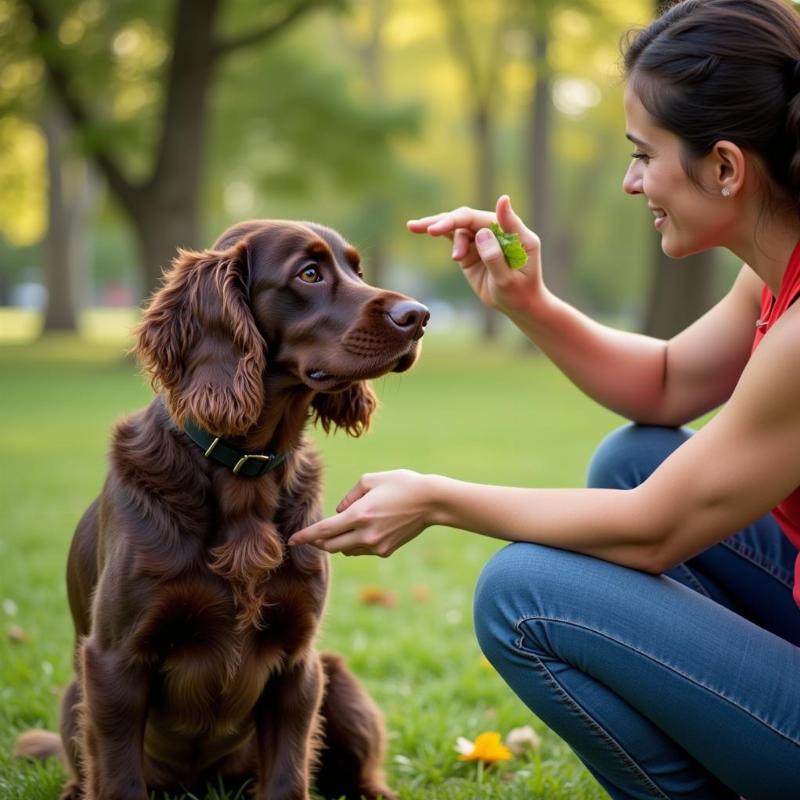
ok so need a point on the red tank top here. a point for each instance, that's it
(787, 512)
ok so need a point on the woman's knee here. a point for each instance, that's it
(511, 587)
(628, 455)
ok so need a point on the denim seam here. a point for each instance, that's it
(660, 663)
(747, 553)
(628, 762)
(691, 579)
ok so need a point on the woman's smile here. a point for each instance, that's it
(660, 217)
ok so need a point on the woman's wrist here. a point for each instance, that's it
(534, 311)
(438, 506)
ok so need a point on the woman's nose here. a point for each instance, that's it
(632, 182)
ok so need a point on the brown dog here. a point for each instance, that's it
(195, 623)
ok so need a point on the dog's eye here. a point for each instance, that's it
(310, 274)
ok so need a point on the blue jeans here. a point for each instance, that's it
(685, 685)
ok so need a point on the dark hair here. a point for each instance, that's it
(709, 70)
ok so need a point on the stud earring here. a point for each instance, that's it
(726, 191)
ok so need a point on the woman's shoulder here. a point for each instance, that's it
(772, 376)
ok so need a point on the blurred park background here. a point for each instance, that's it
(131, 127)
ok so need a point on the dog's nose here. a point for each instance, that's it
(410, 316)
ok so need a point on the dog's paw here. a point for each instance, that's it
(377, 793)
(72, 791)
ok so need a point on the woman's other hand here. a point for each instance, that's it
(382, 512)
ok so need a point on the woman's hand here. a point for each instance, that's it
(478, 253)
(383, 511)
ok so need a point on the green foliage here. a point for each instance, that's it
(299, 122)
(419, 658)
(512, 248)
(295, 131)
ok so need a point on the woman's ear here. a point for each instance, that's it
(199, 343)
(729, 166)
(350, 409)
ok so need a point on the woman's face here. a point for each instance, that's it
(690, 216)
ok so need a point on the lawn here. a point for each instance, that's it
(492, 413)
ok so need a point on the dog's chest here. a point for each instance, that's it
(211, 671)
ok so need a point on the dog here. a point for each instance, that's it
(195, 623)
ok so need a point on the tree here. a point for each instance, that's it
(163, 203)
(61, 226)
(70, 191)
(538, 157)
(370, 54)
(481, 93)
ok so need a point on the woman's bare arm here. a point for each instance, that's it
(640, 377)
(735, 469)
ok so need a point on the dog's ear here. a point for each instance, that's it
(199, 343)
(350, 409)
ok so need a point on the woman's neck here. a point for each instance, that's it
(768, 245)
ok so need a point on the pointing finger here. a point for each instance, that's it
(319, 531)
(422, 224)
(464, 217)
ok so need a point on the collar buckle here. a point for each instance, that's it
(267, 459)
(215, 448)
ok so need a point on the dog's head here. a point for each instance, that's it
(280, 298)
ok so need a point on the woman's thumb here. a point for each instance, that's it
(490, 252)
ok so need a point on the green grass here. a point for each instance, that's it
(486, 413)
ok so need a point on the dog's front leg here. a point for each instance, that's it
(112, 724)
(286, 725)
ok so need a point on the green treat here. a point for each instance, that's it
(512, 248)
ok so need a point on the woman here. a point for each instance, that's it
(649, 619)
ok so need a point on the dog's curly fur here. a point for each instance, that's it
(195, 623)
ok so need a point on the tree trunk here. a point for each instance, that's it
(539, 160)
(482, 89)
(680, 291)
(159, 233)
(165, 212)
(485, 185)
(65, 251)
(378, 203)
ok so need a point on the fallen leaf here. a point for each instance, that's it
(17, 634)
(524, 739)
(421, 593)
(376, 596)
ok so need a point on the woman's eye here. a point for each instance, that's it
(310, 274)
(639, 156)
